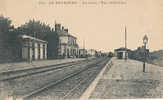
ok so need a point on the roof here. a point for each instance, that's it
(83, 49)
(63, 33)
(72, 36)
(32, 38)
(92, 50)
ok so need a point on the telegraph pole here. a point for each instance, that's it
(125, 43)
(84, 53)
(84, 44)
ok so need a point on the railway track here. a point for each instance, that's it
(10, 75)
(71, 75)
(93, 74)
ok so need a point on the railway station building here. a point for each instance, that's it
(33, 48)
(67, 44)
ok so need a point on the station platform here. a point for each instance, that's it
(122, 79)
(41, 63)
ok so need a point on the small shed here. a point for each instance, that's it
(122, 52)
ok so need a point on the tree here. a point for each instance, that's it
(9, 41)
(36, 29)
(110, 54)
(5, 26)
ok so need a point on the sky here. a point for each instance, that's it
(102, 27)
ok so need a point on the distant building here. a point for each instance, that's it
(67, 44)
(98, 53)
(83, 53)
(120, 53)
(33, 48)
(91, 52)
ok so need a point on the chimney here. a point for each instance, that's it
(62, 28)
(57, 27)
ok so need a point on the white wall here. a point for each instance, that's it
(36, 50)
(63, 39)
(41, 51)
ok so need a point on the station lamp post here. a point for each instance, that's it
(145, 41)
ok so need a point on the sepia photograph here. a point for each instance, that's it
(81, 49)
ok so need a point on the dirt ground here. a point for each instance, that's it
(125, 79)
